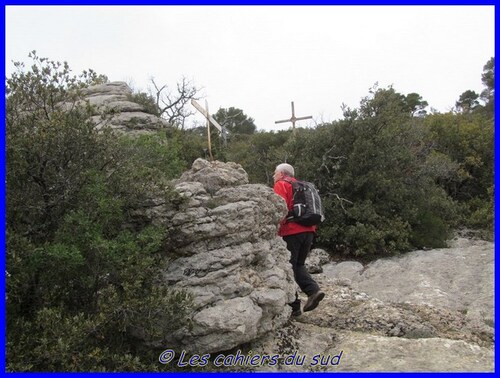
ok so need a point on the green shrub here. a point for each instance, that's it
(147, 101)
(377, 173)
(84, 287)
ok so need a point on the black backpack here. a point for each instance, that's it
(307, 208)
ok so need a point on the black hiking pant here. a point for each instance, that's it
(299, 246)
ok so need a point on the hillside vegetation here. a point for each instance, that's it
(82, 268)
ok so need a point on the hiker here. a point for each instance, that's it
(298, 239)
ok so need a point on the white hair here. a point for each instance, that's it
(286, 169)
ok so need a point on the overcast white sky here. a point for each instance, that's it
(260, 58)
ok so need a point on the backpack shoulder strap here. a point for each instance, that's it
(294, 183)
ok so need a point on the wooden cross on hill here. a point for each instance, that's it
(293, 119)
(210, 120)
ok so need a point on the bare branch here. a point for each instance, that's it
(326, 158)
(172, 105)
(341, 201)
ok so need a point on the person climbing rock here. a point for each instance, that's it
(298, 239)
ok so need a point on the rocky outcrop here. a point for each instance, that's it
(458, 278)
(425, 311)
(113, 107)
(227, 255)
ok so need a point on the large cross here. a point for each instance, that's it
(293, 119)
(207, 115)
(210, 120)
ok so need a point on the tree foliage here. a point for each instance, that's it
(392, 177)
(467, 140)
(488, 79)
(373, 171)
(235, 121)
(415, 104)
(82, 268)
(467, 101)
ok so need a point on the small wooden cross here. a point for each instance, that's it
(293, 119)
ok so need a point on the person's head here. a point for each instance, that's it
(282, 171)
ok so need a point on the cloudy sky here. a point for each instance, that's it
(260, 58)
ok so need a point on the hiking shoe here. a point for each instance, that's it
(313, 301)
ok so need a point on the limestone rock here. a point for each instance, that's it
(344, 272)
(375, 316)
(460, 277)
(215, 175)
(114, 108)
(383, 354)
(316, 259)
(329, 350)
(228, 256)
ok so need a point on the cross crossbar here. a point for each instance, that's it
(293, 119)
(206, 114)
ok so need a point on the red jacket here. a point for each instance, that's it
(284, 189)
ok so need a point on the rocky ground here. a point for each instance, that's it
(425, 311)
